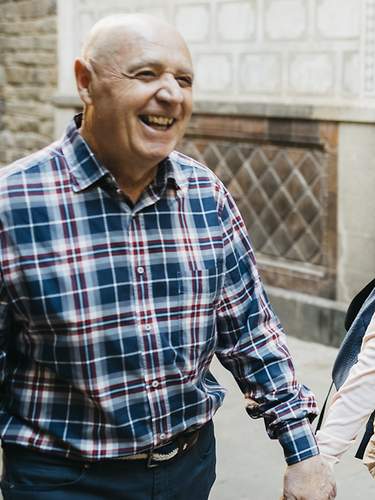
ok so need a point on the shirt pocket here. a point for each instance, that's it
(200, 288)
(199, 293)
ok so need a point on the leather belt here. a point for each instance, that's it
(180, 445)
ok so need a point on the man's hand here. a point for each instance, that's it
(311, 479)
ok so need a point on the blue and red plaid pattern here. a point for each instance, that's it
(111, 313)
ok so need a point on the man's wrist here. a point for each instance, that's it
(298, 442)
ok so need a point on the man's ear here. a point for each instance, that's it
(83, 80)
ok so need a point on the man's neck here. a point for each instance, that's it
(132, 179)
(134, 187)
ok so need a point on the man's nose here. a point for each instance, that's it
(170, 90)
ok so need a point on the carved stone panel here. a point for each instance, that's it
(282, 175)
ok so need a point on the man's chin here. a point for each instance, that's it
(158, 154)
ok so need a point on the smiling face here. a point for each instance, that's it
(136, 85)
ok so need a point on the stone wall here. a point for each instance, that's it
(306, 52)
(283, 60)
(28, 76)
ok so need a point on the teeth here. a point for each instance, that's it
(159, 120)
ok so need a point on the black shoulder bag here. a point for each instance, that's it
(358, 317)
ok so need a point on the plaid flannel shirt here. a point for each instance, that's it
(110, 313)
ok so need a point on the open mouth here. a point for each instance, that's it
(157, 122)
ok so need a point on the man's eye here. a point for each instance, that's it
(146, 75)
(184, 81)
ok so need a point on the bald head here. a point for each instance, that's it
(112, 34)
(135, 80)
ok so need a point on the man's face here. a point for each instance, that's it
(141, 99)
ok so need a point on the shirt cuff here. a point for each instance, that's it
(298, 441)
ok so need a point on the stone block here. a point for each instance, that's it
(236, 21)
(29, 142)
(308, 317)
(2, 75)
(15, 74)
(311, 73)
(38, 26)
(14, 43)
(260, 73)
(351, 80)
(193, 22)
(7, 139)
(214, 72)
(156, 11)
(32, 75)
(45, 93)
(17, 109)
(33, 9)
(46, 129)
(26, 123)
(368, 48)
(10, 12)
(285, 19)
(338, 18)
(356, 207)
(47, 25)
(33, 58)
(46, 42)
(10, 28)
(357, 220)
(2, 45)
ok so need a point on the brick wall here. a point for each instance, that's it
(28, 76)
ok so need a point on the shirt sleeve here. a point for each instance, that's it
(352, 404)
(252, 345)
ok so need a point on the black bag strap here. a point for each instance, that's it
(366, 436)
(357, 318)
(356, 304)
(351, 344)
(322, 411)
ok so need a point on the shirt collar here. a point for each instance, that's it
(85, 169)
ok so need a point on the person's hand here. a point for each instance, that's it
(311, 479)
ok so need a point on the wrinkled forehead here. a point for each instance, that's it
(166, 49)
(143, 41)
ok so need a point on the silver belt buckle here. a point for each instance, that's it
(155, 458)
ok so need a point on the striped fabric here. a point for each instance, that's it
(111, 313)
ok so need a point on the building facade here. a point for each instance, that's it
(284, 114)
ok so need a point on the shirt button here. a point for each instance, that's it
(163, 436)
(155, 383)
(140, 270)
(148, 328)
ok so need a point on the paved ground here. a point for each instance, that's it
(250, 465)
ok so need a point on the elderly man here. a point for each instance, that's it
(125, 266)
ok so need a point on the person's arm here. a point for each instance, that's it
(352, 404)
(252, 345)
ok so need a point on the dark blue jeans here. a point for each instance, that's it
(29, 475)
